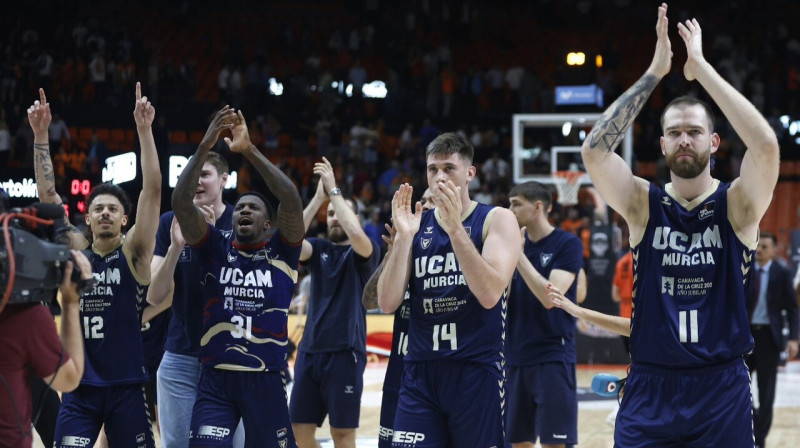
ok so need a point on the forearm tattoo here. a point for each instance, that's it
(611, 127)
(370, 296)
(42, 157)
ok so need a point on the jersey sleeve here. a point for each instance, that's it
(570, 258)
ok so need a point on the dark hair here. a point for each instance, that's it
(533, 191)
(219, 162)
(451, 143)
(769, 235)
(270, 211)
(113, 190)
(682, 102)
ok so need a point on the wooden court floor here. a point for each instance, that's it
(593, 429)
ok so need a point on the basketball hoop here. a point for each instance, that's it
(568, 185)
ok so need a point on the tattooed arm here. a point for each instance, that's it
(40, 117)
(369, 298)
(612, 177)
(290, 209)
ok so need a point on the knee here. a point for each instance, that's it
(343, 434)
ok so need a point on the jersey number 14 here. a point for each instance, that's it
(445, 332)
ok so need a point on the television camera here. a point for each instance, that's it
(33, 255)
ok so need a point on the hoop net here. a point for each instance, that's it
(568, 185)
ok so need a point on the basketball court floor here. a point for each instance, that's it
(595, 429)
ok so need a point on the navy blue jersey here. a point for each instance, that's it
(394, 369)
(536, 334)
(111, 321)
(246, 295)
(447, 321)
(183, 334)
(154, 335)
(690, 271)
(336, 319)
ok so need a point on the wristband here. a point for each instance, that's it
(335, 191)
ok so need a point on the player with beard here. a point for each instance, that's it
(247, 285)
(394, 369)
(329, 368)
(111, 390)
(692, 244)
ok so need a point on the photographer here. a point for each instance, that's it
(28, 341)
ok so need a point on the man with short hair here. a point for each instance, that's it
(456, 262)
(770, 296)
(693, 245)
(111, 391)
(247, 283)
(176, 279)
(540, 349)
(330, 362)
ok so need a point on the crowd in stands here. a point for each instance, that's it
(447, 65)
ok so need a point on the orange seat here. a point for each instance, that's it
(103, 134)
(195, 137)
(84, 134)
(178, 137)
(118, 135)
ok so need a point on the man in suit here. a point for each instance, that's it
(770, 296)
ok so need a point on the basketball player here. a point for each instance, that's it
(247, 286)
(329, 368)
(693, 245)
(394, 369)
(540, 350)
(175, 278)
(111, 390)
(456, 262)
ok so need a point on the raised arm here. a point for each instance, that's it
(290, 209)
(369, 298)
(141, 238)
(751, 193)
(308, 215)
(344, 213)
(392, 288)
(189, 216)
(320, 195)
(68, 376)
(612, 177)
(39, 116)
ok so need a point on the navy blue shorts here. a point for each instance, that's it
(328, 384)
(388, 411)
(543, 403)
(225, 396)
(450, 403)
(121, 408)
(701, 407)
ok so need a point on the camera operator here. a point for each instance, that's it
(28, 342)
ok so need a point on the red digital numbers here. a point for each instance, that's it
(80, 187)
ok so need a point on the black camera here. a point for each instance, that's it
(33, 255)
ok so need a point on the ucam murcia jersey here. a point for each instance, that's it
(394, 369)
(111, 321)
(690, 274)
(447, 321)
(246, 295)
